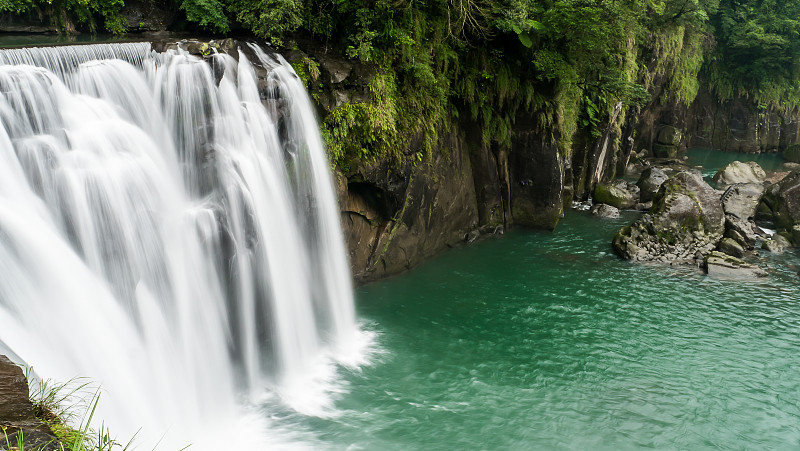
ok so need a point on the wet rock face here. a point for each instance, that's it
(649, 183)
(685, 223)
(618, 193)
(16, 411)
(782, 202)
(741, 199)
(396, 217)
(792, 153)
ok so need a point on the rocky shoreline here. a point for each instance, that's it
(691, 222)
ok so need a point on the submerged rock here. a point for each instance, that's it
(719, 264)
(605, 211)
(738, 172)
(777, 244)
(619, 194)
(649, 183)
(686, 221)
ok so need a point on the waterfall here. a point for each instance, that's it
(169, 229)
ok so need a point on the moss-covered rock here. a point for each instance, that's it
(665, 151)
(619, 194)
(685, 223)
(670, 136)
(731, 247)
(792, 153)
(777, 244)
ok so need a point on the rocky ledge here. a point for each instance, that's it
(691, 222)
(17, 418)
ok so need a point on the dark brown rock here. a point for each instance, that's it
(649, 183)
(17, 413)
(783, 202)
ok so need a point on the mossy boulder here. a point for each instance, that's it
(792, 153)
(618, 193)
(777, 244)
(670, 136)
(665, 151)
(738, 172)
(685, 223)
(731, 247)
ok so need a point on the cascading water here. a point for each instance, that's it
(169, 228)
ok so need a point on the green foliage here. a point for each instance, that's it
(269, 19)
(364, 130)
(307, 69)
(208, 14)
(67, 409)
(758, 51)
(67, 14)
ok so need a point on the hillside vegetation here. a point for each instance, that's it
(569, 63)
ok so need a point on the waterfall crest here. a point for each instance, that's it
(169, 228)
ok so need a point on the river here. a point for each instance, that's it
(550, 341)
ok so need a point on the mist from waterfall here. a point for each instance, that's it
(169, 229)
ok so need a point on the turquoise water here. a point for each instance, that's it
(549, 341)
(713, 160)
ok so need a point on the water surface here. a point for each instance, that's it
(549, 341)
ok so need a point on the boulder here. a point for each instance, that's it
(605, 211)
(743, 231)
(731, 247)
(777, 244)
(649, 183)
(738, 172)
(619, 194)
(722, 265)
(665, 151)
(686, 221)
(792, 153)
(741, 199)
(781, 202)
(670, 136)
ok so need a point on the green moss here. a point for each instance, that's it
(792, 153)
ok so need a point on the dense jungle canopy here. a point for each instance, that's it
(568, 62)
